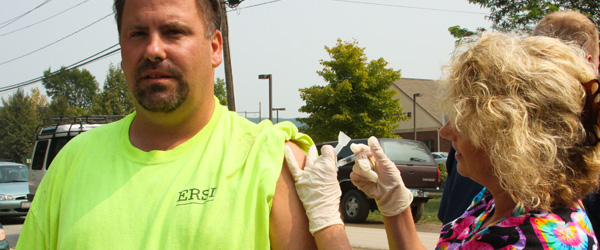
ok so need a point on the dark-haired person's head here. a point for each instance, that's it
(210, 11)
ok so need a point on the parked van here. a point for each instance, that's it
(52, 137)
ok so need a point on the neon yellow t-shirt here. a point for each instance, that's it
(212, 192)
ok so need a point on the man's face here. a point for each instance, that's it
(166, 57)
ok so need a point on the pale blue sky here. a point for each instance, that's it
(285, 38)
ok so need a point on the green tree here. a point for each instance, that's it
(524, 14)
(461, 33)
(60, 106)
(18, 121)
(115, 98)
(220, 91)
(40, 102)
(357, 100)
(77, 87)
(38, 99)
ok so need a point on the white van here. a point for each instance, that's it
(52, 137)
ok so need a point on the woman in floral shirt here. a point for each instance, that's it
(563, 228)
(524, 123)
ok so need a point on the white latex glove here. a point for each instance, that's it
(317, 186)
(388, 190)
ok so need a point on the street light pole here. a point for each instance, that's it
(415, 95)
(270, 77)
(278, 109)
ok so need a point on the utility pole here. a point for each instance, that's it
(227, 58)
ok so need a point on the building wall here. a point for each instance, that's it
(425, 119)
(429, 117)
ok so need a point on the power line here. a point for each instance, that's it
(251, 6)
(88, 60)
(22, 28)
(14, 19)
(57, 72)
(89, 57)
(411, 7)
(82, 62)
(48, 45)
(72, 7)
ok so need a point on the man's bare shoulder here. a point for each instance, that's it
(288, 221)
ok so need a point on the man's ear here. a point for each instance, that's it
(589, 58)
(217, 48)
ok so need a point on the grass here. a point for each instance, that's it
(429, 216)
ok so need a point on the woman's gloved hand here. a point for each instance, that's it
(388, 188)
(317, 186)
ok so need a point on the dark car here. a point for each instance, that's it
(416, 164)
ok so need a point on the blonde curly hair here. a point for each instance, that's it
(521, 99)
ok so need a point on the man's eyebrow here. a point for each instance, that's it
(136, 27)
(174, 24)
(167, 25)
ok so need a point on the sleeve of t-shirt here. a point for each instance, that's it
(31, 238)
(290, 131)
(40, 226)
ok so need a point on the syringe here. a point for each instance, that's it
(351, 158)
(366, 169)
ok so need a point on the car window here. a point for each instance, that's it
(13, 173)
(406, 152)
(39, 155)
(55, 147)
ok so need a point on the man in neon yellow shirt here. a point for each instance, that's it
(182, 172)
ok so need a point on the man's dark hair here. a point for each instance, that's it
(210, 9)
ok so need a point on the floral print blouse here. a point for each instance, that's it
(562, 228)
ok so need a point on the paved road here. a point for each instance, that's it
(371, 236)
(367, 236)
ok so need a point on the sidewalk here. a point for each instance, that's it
(371, 236)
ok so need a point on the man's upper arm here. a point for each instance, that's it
(288, 221)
